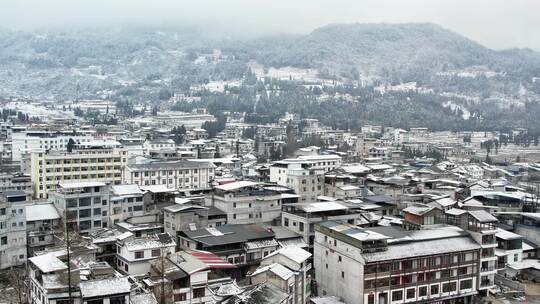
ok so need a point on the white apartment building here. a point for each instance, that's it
(99, 165)
(305, 181)
(246, 202)
(381, 265)
(125, 201)
(134, 256)
(12, 229)
(324, 162)
(26, 141)
(182, 174)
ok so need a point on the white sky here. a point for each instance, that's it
(493, 23)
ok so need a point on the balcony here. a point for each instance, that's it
(486, 283)
(487, 269)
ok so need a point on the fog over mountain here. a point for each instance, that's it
(495, 23)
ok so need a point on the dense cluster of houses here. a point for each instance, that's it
(133, 215)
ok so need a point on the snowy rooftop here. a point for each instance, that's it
(236, 185)
(150, 243)
(41, 212)
(482, 216)
(293, 253)
(48, 262)
(507, 235)
(321, 206)
(105, 287)
(277, 269)
(126, 190)
(81, 185)
(416, 249)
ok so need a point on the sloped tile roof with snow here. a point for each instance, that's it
(483, 216)
(293, 253)
(277, 269)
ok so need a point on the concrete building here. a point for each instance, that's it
(287, 269)
(43, 224)
(24, 141)
(246, 202)
(134, 256)
(15, 182)
(12, 228)
(279, 169)
(183, 217)
(241, 245)
(125, 201)
(84, 206)
(302, 217)
(97, 165)
(392, 265)
(182, 174)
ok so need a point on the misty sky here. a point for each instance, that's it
(494, 23)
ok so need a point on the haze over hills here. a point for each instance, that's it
(451, 74)
(380, 48)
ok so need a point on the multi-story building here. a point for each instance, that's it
(287, 269)
(246, 202)
(24, 141)
(43, 224)
(242, 245)
(184, 216)
(182, 174)
(83, 205)
(392, 265)
(190, 274)
(134, 256)
(279, 169)
(12, 228)
(302, 217)
(97, 165)
(51, 281)
(15, 182)
(305, 181)
(125, 201)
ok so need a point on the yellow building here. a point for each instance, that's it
(48, 169)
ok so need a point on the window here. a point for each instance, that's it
(343, 274)
(516, 257)
(371, 299)
(434, 290)
(198, 292)
(180, 297)
(301, 227)
(422, 291)
(3, 240)
(397, 295)
(2, 211)
(286, 223)
(156, 252)
(139, 254)
(117, 300)
(339, 259)
(411, 293)
(449, 287)
(465, 284)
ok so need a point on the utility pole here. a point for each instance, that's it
(70, 300)
(162, 300)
